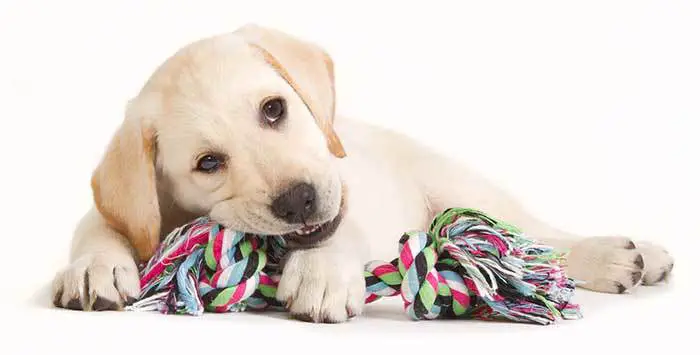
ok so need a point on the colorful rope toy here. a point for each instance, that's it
(468, 265)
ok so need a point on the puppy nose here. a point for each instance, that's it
(297, 204)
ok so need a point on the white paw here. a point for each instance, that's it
(319, 285)
(658, 263)
(606, 264)
(97, 282)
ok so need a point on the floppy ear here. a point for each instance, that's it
(124, 186)
(307, 68)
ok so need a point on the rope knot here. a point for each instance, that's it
(205, 267)
(471, 265)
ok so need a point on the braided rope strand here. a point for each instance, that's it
(468, 265)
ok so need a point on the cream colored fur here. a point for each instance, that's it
(206, 97)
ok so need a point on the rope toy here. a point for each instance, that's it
(468, 265)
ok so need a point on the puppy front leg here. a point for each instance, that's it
(102, 274)
(611, 264)
(326, 283)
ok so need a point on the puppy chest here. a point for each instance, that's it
(384, 206)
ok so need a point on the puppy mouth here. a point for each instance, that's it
(306, 230)
(310, 235)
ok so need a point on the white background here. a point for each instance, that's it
(588, 111)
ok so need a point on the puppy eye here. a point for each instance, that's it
(210, 163)
(273, 109)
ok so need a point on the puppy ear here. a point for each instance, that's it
(124, 186)
(309, 71)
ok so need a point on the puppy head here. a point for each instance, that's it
(236, 126)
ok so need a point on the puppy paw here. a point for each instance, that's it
(322, 286)
(658, 263)
(97, 282)
(606, 264)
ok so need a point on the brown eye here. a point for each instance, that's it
(274, 109)
(210, 163)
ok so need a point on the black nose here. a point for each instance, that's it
(297, 204)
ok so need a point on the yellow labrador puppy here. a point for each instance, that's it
(241, 127)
